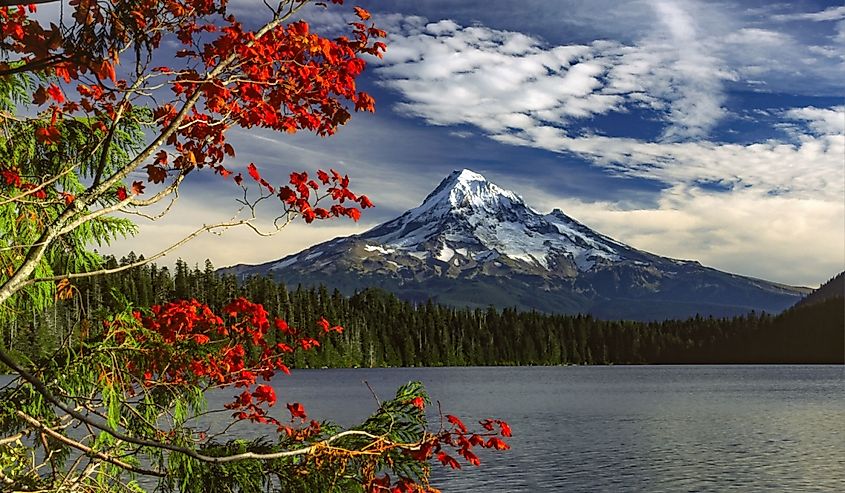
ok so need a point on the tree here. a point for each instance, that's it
(92, 126)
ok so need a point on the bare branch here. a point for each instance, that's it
(12, 3)
(11, 439)
(205, 228)
(82, 447)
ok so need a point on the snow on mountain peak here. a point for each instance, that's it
(469, 217)
(467, 189)
(466, 175)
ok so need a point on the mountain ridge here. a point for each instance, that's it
(473, 243)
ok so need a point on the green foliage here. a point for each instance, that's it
(65, 169)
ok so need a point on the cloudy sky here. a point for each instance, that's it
(702, 130)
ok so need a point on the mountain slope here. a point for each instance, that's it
(473, 243)
(834, 288)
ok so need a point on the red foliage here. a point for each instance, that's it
(282, 77)
(185, 342)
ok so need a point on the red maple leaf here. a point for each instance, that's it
(253, 172)
(297, 411)
(265, 393)
(138, 187)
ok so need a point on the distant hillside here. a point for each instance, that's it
(834, 288)
(809, 333)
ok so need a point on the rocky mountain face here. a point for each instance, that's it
(471, 243)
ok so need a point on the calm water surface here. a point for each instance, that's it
(616, 428)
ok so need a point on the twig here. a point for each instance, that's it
(373, 392)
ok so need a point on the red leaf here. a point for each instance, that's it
(457, 422)
(11, 177)
(361, 13)
(286, 195)
(106, 71)
(470, 457)
(283, 326)
(365, 102)
(40, 96)
(56, 93)
(297, 411)
(418, 402)
(156, 174)
(122, 194)
(365, 202)
(137, 187)
(253, 172)
(161, 157)
(307, 343)
(48, 135)
(497, 444)
(506, 429)
(445, 459)
(323, 177)
(354, 213)
(265, 393)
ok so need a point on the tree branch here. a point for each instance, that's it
(12, 3)
(43, 390)
(84, 448)
(11, 439)
(139, 263)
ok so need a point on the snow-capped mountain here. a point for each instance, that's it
(468, 219)
(473, 243)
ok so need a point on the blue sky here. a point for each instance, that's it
(701, 130)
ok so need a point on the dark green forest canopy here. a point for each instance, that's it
(382, 330)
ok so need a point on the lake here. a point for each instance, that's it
(621, 428)
(617, 428)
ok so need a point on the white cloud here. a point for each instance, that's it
(829, 14)
(778, 238)
(740, 207)
(840, 33)
(528, 95)
(757, 36)
(823, 121)
(494, 79)
(693, 77)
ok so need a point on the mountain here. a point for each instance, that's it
(834, 288)
(472, 243)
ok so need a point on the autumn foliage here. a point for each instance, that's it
(100, 118)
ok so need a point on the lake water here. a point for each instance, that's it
(618, 428)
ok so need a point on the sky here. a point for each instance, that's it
(705, 130)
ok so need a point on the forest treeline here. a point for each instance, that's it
(382, 330)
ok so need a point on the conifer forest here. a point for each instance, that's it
(382, 330)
